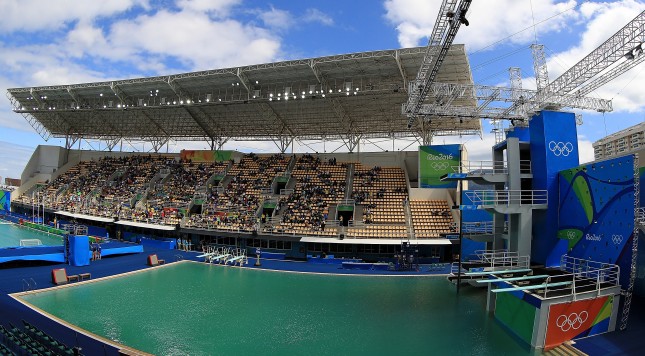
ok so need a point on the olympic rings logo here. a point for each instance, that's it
(571, 235)
(561, 148)
(572, 321)
(439, 166)
(617, 239)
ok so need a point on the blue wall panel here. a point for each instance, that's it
(522, 133)
(596, 217)
(554, 147)
(479, 215)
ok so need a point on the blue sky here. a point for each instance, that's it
(47, 42)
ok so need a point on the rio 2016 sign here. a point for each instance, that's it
(435, 162)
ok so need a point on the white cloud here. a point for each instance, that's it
(602, 21)
(14, 157)
(585, 149)
(35, 15)
(220, 8)
(490, 20)
(194, 39)
(315, 15)
(276, 18)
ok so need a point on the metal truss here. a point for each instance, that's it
(449, 19)
(519, 104)
(611, 74)
(234, 70)
(283, 142)
(118, 92)
(635, 236)
(612, 50)
(488, 94)
(539, 66)
(71, 140)
(246, 83)
(111, 142)
(404, 74)
(218, 105)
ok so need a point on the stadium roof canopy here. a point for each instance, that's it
(348, 97)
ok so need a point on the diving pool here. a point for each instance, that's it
(11, 234)
(190, 308)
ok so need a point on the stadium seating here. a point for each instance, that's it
(431, 218)
(234, 204)
(318, 184)
(161, 189)
(30, 341)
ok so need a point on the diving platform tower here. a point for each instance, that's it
(523, 173)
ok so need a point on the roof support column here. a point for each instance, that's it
(70, 141)
(111, 143)
(158, 143)
(283, 142)
(424, 131)
(404, 75)
(217, 143)
(352, 141)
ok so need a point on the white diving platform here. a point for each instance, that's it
(546, 285)
(485, 273)
(205, 255)
(525, 278)
(234, 259)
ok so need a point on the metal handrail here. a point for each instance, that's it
(482, 227)
(578, 269)
(490, 167)
(508, 197)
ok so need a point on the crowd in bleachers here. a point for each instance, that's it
(234, 205)
(318, 184)
(161, 189)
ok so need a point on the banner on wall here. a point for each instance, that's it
(199, 156)
(5, 200)
(437, 161)
(573, 320)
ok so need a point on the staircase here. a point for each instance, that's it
(565, 349)
(408, 220)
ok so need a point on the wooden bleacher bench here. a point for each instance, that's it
(84, 276)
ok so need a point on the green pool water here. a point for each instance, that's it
(199, 309)
(11, 234)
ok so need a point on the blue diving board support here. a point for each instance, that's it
(454, 176)
(513, 279)
(485, 273)
(470, 207)
(546, 285)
